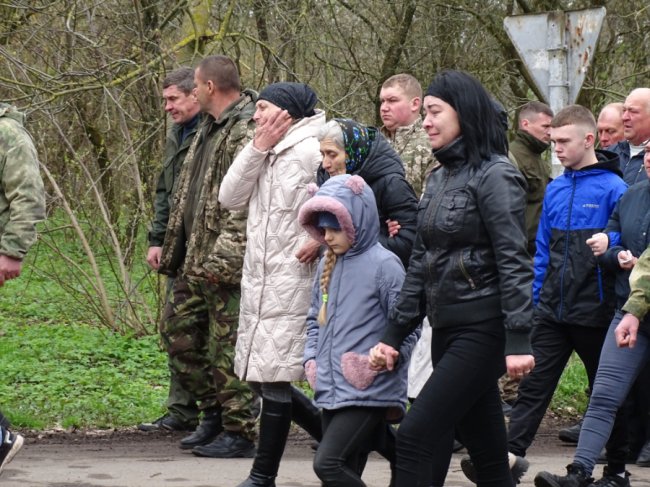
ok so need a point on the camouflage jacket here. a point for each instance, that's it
(413, 146)
(639, 301)
(22, 198)
(215, 248)
(175, 152)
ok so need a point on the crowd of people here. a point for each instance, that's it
(428, 274)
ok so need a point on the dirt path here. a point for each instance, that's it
(130, 458)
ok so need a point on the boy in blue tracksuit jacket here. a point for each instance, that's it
(573, 296)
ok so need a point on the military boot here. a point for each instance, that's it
(207, 430)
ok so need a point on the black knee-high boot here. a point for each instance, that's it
(305, 414)
(275, 421)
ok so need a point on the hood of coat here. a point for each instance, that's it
(352, 202)
(303, 129)
(10, 111)
(607, 161)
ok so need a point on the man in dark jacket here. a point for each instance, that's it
(636, 128)
(530, 142)
(183, 108)
(573, 296)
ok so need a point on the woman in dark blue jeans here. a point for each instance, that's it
(618, 367)
(471, 275)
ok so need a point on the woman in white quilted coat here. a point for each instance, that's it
(269, 177)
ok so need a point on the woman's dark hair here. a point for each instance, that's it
(480, 123)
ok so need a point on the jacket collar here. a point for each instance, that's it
(453, 154)
(533, 143)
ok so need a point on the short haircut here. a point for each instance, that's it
(407, 83)
(221, 70)
(618, 106)
(182, 78)
(575, 115)
(533, 108)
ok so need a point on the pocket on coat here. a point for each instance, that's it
(356, 370)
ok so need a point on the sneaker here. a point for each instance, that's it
(612, 480)
(167, 423)
(575, 477)
(570, 434)
(12, 442)
(518, 467)
(227, 445)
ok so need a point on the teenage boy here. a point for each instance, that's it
(573, 296)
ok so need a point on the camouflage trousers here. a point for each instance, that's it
(199, 335)
(508, 387)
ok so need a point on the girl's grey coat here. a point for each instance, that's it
(364, 285)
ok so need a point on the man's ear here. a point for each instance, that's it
(416, 104)
(590, 140)
(524, 123)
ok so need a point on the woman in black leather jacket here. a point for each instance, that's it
(470, 274)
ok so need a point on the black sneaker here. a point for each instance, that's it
(575, 477)
(168, 423)
(11, 443)
(570, 434)
(612, 480)
(518, 467)
(227, 445)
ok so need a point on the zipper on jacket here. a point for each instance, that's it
(566, 245)
(465, 273)
(601, 293)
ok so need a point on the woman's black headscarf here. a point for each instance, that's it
(296, 98)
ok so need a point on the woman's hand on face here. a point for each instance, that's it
(382, 357)
(393, 227)
(269, 132)
(519, 366)
(626, 260)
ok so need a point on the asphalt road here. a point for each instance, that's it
(144, 460)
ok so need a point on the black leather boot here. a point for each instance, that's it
(275, 421)
(207, 430)
(305, 414)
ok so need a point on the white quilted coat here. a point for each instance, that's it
(275, 287)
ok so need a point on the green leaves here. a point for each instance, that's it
(79, 376)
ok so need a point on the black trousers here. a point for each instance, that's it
(462, 394)
(553, 344)
(348, 435)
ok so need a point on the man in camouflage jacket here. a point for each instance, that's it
(22, 205)
(638, 303)
(204, 248)
(401, 102)
(22, 198)
(183, 108)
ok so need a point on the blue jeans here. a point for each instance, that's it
(617, 370)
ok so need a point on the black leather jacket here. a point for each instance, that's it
(469, 262)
